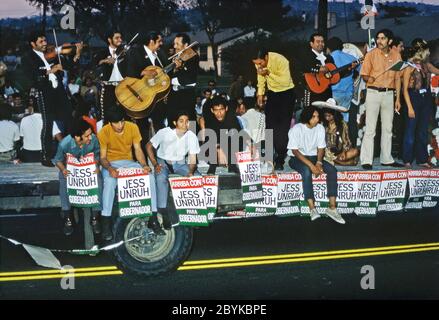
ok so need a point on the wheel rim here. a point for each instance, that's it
(149, 247)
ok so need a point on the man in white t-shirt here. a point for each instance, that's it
(30, 131)
(9, 134)
(172, 145)
(306, 146)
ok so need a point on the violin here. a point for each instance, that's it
(52, 51)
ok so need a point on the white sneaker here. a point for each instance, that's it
(314, 214)
(334, 215)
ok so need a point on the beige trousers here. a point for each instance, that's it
(376, 103)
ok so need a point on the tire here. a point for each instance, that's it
(150, 255)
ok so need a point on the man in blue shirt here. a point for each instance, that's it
(343, 91)
(79, 143)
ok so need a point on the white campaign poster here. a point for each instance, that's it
(82, 181)
(134, 193)
(210, 186)
(289, 193)
(189, 200)
(368, 184)
(268, 206)
(392, 191)
(347, 192)
(418, 184)
(320, 196)
(251, 177)
(432, 190)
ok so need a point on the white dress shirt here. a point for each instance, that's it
(320, 56)
(115, 74)
(52, 77)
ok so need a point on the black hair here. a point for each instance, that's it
(334, 44)
(396, 41)
(82, 109)
(338, 118)
(150, 36)
(5, 111)
(260, 53)
(419, 43)
(387, 33)
(217, 100)
(184, 38)
(207, 90)
(33, 36)
(212, 81)
(178, 115)
(235, 104)
(307, 114)
(79, 127)
(114, 114)
(110, 34)
(315, 34)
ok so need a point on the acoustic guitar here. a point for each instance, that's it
(318, 82)
(139, 96)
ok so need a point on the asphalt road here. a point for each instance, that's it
(313, 261)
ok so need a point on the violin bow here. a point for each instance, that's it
(56, 46)
(181, 51)
(128, 45)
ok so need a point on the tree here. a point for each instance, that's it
(42, 4)
(323, 18)
(259, 14)
(130, 17)
(397, 11)
(244, 14)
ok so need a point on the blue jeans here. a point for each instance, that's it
(305, 172)
(110, 185)
(416, 130)
(64, 197)
(344, 101)
(180, 168)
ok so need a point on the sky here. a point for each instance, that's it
(21, 8)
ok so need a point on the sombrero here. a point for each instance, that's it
(330, 104)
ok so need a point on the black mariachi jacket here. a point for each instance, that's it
(188, 73)
(137, 60)
(104, 70)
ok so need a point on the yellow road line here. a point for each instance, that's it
(59, 276)
(320, 258)
(308, 254)
(56, 271)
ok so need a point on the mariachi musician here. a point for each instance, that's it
(145, 55)
(315, 62)
(111, 69)
(45, 71)
(183, 81)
